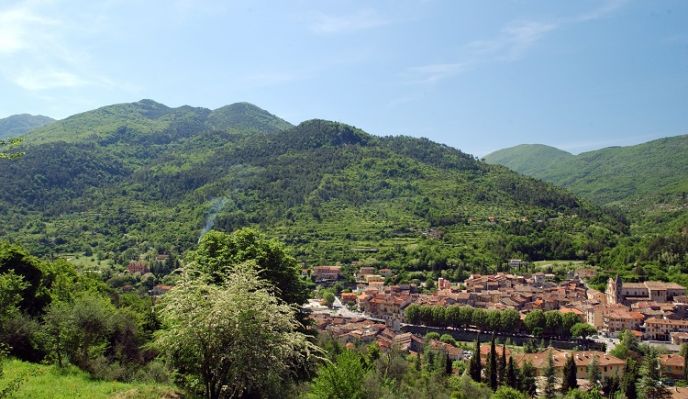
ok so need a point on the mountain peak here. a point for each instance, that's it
(245, 115)
(16, 125)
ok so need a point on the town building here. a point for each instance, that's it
(326, 273)
(661, 329)
(657, 291)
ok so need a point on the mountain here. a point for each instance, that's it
(634, 177)
(16, 125)
(125, 179)
(521, 158)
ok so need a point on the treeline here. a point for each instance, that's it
(538, 323)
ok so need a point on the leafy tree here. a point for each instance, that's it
(466, 388)
(475, 368)
(550, 378)
(6, 146)
(527, 380)
(341, 379)
(583, 330)
(329, 298)
(535, 322)
(447, 339)
(506, 392)
(650, 384)
(235, 336)
(570, 381)
(219, 253)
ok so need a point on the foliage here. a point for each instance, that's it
(16, 125)
(475, 367)
(234, 337)
(583, 330)
(124, 179)
(650, 385)
(550, 378)
(506, 392)
(569, 381)
(219, 253)
(340, 379)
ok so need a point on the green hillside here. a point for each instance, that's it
(521, 158)
(16, 125)
(635, 177)
(125, 179)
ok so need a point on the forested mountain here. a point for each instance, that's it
(128, 178)
(17, 125)
(652, 172)
(522, 158)
(647, 182)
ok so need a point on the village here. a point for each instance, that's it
(654, 312)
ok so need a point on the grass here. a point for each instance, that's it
(42, 381)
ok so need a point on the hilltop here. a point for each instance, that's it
(16, 125)
(124, 179)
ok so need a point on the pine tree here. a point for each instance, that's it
(629, 380)
(550, 378)
(651, 386)
(492, 366)
(528, 385)
(570, 382)
(502, 367)
(447, 365)
(417, 362)
(512, 374)
(594, 373)
(475, 368)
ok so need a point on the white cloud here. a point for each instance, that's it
(35, 80)
(362, 20)
(38, 50)
(432, 73)
(511, 44)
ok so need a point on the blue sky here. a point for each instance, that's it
(477, 75)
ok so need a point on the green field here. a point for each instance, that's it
(41, 381)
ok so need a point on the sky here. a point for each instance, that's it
(476, 75)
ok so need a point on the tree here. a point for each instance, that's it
(506, 392)
(527, 380)
(550, 378)
(535, 322)
(475, 368)
(502, 367)
(341, 379)
(328, 298)
(492, 367)
(447, 365)
(650, 384)
(628, 383)
(219, 253)
(570, 381)
(6, 146)
(235, 336)
(583, 330)
(594, 373)
(512, 374)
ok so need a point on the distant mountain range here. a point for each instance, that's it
(17, 125)
(634, 177)
(128, 178)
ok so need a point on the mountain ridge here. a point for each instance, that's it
(118, 181)
(17, 125)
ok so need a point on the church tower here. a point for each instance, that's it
(614, 286)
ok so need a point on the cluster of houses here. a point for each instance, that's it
(651, 310)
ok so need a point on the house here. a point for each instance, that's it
(672, 365)
(609, 365)
(619, 318)
(661, 329)
(137, 267)
(514, 263)
(386, 272)
(348, 297)
(443, 284)
(326, 273)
